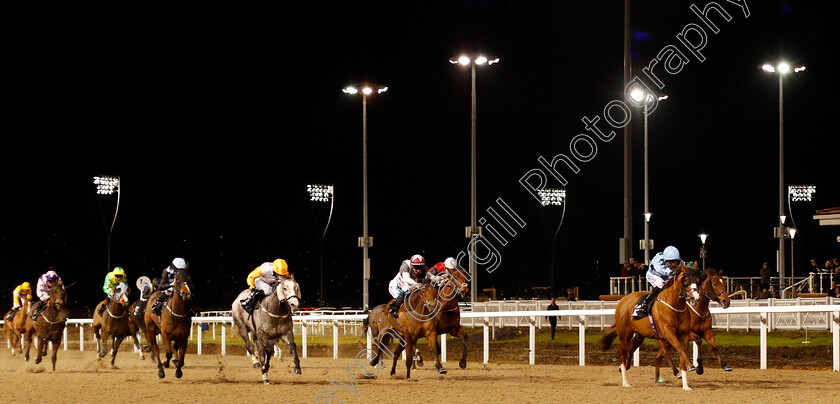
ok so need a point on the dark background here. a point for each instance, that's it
(216, 118)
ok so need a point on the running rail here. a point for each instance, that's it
(581, 314)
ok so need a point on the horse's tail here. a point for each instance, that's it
(608, 337)
(366, 321)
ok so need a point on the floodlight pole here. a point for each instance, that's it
(781, 259)
(365, 240)
(109, 230)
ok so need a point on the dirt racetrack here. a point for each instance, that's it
(80, 378)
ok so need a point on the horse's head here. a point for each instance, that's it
(428, 295)
(288, 291)
(461, 280)
(121, 295)
(687, 280)
(58, 296)
(181, 285)
(714, 288)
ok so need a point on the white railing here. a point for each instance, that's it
(583, 317)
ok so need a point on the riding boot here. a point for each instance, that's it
(12, 314)
(137, 309)
(37, 309)
(642, 309)
(104, 305)
(158, 305)
(250, 302)
(395, 307)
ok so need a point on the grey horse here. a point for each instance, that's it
(271, 321)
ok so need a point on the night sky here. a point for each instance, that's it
(217, 118)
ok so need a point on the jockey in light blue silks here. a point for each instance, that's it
(662, 268)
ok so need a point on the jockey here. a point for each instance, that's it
(145, 292)
(45, 282)
(438, 273)
(21, 293)
(261, 280)
(662, 268)
(167, 278)
(412, 272)
(112, 279)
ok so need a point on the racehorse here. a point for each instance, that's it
(112, 325)
(668, 321)
(448, 320)
(173, 324)
(137, 326)
(48, 326)
(713, 288)
(15, 329)
(270, 321)
(415, 320)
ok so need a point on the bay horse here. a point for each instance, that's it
(270, 321)
(173, 324)
(137, 326)
(112, 326)
(713, 288)
(668, 322)
(15, 328)
(48, 326)
(414, 321)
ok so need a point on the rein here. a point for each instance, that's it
(44, 315)
(108, 309)
(669, 306)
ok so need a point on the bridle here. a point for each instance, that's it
(183, 295)
(285, 299)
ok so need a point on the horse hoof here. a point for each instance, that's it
(266, 382)
(37, 361)
(660, 380)
(699, 370)
(442, 371)
(179, 373)
(691, 368)
(676, 372)
(686, 388)
(256, 366)
(463, 364)
(419, 362)
(727, 369)
(161, 374)
(297, 371)
(166, 365)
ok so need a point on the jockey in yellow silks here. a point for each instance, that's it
(21, 293)
(261, 280)
(112, 279)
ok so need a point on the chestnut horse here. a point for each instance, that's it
(48, 326)
(15, 329)
(713, 288)
(173, 324)
(414, 321)
(668, 321)
(448, 319)
(112, 325)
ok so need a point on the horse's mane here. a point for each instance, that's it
(711, 272)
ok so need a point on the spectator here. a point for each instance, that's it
(625, 270)
(553, 319)
(814, 267)
(764, 272)
(835, 279)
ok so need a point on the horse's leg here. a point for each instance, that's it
(679, 344)
(116, 348)
(266, 352)
(181, 346)
(167, 343)
(150, 337)
(289, 338)
(374, 360)
(409, 356)
(55, 349)
(397, 352)
(27, 336)
(435, 349)
(138, 344)
(709, 336)
(699, 341)
(463, 335)
(41, 348)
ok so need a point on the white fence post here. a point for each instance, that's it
(835, 326)
(443, 348)
(81, 337)
(199, 332)
(335, 339)
(303, 339)
(369, 344)
(486, 340)
(64, 337)
(763, 340)
(224, 339)
(582, 340)
(532, 342)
